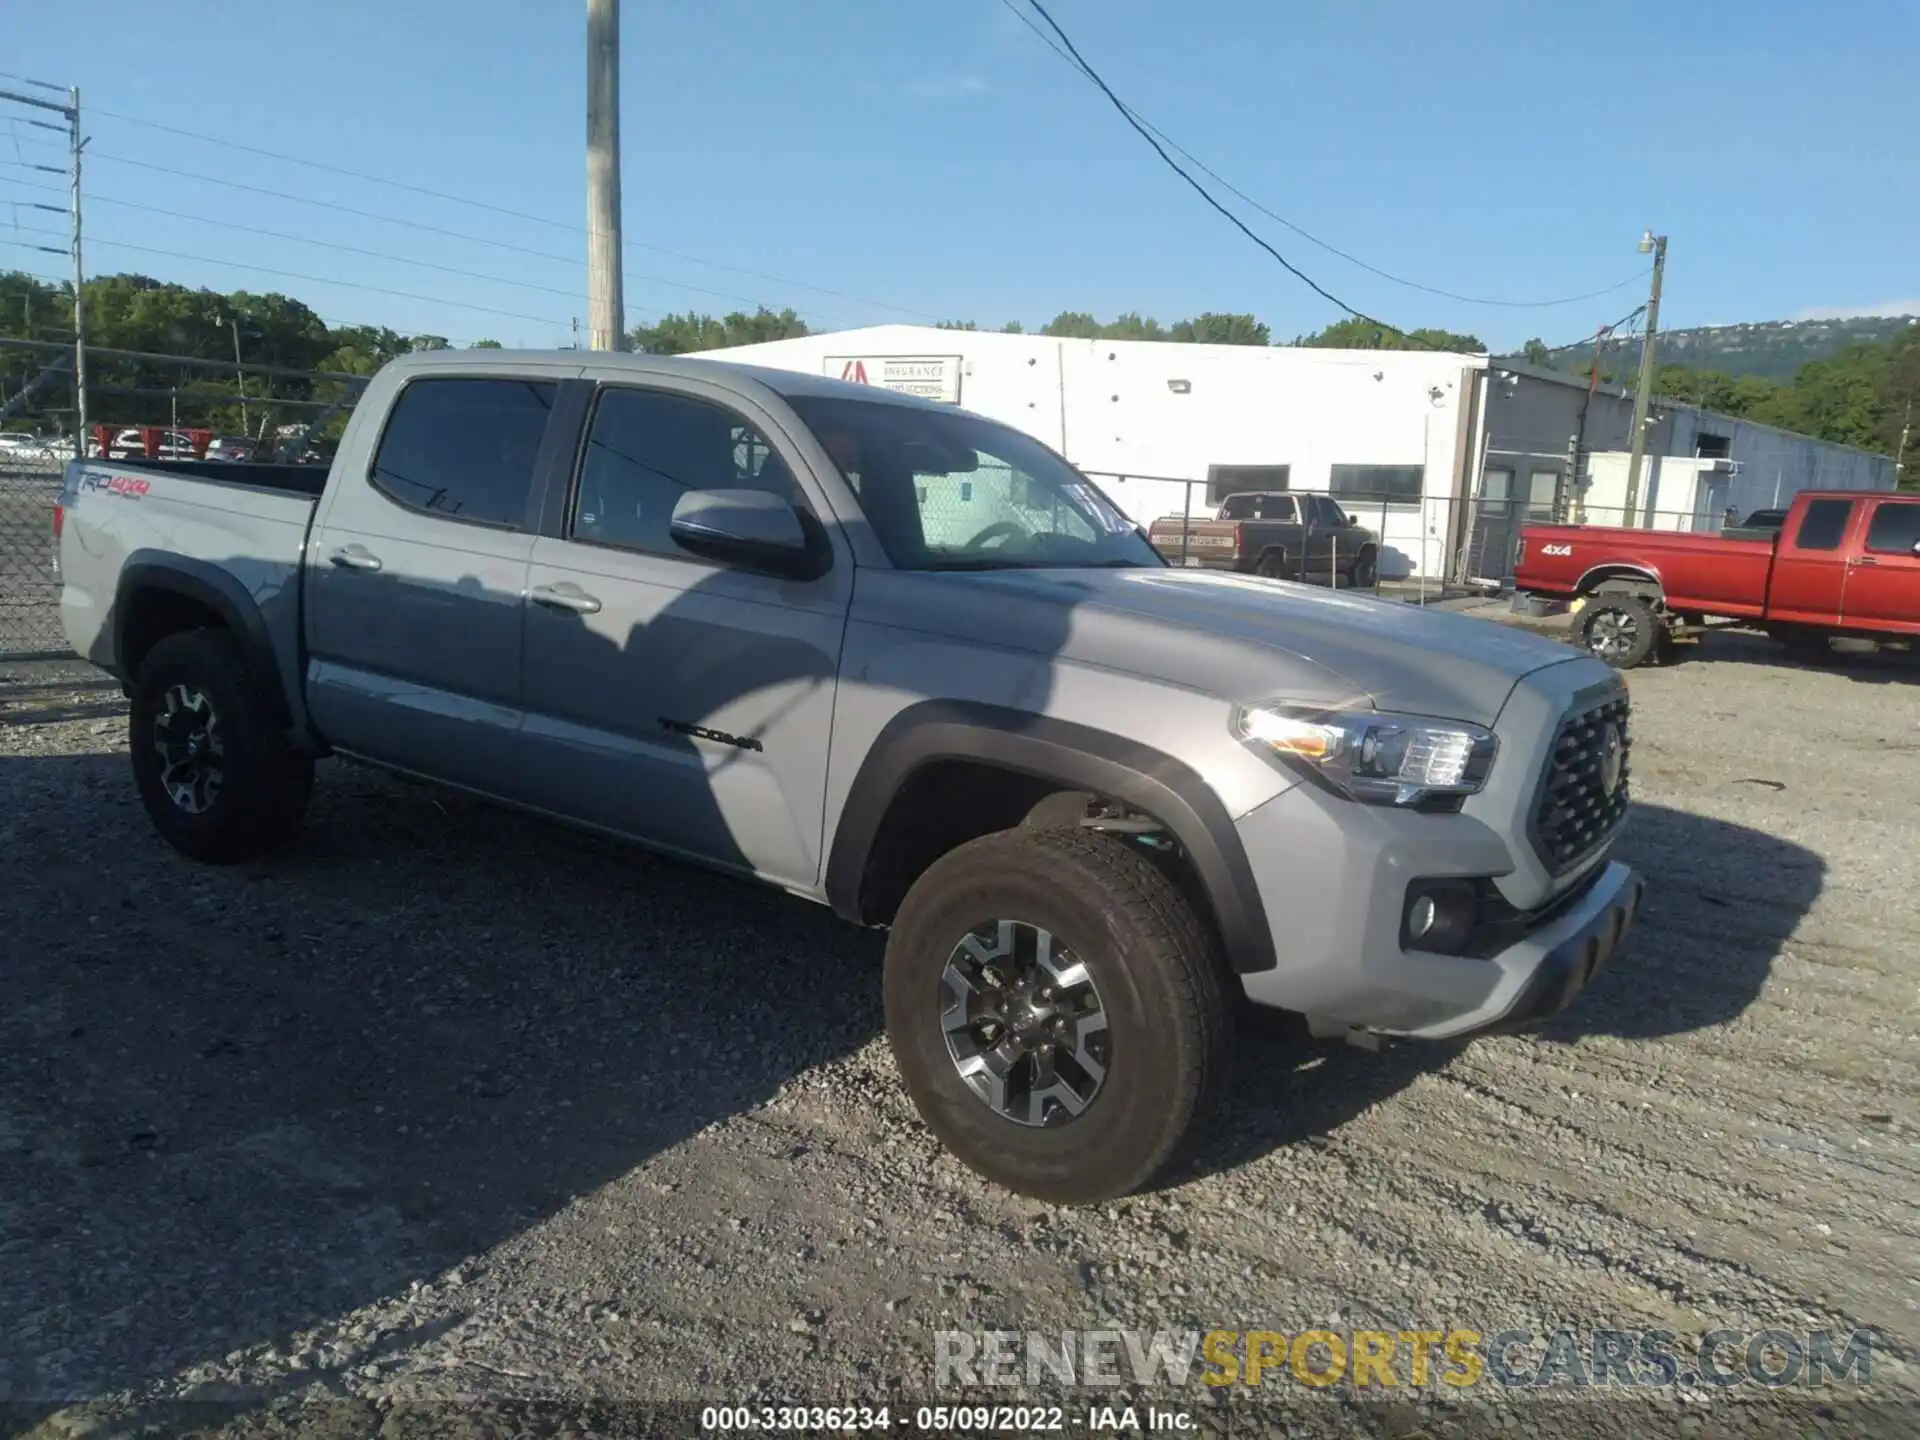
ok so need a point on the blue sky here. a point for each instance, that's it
(929, 158)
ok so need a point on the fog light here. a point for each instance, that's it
(1440, 916)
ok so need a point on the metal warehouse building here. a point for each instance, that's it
(1444, 454)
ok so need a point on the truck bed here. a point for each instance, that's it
(1713, 574)
(242, 527)
(308, 480)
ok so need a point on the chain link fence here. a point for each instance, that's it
(29, 595)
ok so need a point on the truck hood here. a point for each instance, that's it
(1234, 636)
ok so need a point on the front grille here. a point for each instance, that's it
(1576, 813)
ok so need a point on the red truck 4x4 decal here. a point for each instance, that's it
(1556, 549)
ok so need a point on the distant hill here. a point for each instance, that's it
(1770, 349)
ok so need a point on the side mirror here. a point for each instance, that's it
(744, 527)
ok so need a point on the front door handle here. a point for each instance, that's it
(1866, 560)
(566, 596)
(355, 557)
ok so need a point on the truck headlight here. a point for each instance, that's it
(1379, 759)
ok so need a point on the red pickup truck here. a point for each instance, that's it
(1842, 563)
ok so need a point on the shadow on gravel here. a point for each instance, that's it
(1859, 661)
(235, 1103)
(1722, 900)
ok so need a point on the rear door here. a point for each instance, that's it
(1883, 578)
(416, 572)
(1810, 564)
(671, 698)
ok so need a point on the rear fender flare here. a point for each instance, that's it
(208, 585)
(1077, 758)
(1598, 575)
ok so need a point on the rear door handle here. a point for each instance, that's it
(566, 596)
(355, 557)
(1866, 560)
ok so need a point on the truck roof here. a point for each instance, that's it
(613, 364)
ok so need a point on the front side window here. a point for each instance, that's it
(647, 448)
(1896, 528)
(1823, 525)
(465, 448)
(951, 491)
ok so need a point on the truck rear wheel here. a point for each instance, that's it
(219, 780)
(1057, 1012)
(1273, 565)
(1622, 630)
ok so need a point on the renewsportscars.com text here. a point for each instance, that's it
(1451, 1357)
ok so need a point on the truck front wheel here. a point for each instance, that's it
(1057, 1012)
(1622, 630)
(217, 776)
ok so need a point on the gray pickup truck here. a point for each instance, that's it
(896, 659)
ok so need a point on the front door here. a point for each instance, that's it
(1810, 565)
(670, 698)
(414, 578)
(1883, 581)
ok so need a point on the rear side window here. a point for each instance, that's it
(1896, 527)
(465, 449)
(1824, 524)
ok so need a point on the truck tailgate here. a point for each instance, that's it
(1196, 542)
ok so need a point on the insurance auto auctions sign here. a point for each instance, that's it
(931, 377)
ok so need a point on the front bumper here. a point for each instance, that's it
(1333, 878)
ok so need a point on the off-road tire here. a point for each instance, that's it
(1365, 570)
(1646, 628)
(1159, 980)
(267, 783)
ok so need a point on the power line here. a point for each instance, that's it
(1142, 123)
(1207, 195)
(93, 155)
(504, 210)
(314, 279)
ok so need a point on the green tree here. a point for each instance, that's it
(421, 343)
(1535, 353)
(956, 325)
(682, 334)
(1013, 327)
(1073, 325)
(1357, 334)
(1133, 326)
(486, 345)
(1215, 329)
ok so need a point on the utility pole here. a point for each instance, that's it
(79, 292)
(606, 321)
(1900, 455)
(1644, 395)
(238, 372)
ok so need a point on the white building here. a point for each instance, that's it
(1443, 454)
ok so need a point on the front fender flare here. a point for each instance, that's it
(1077, 757)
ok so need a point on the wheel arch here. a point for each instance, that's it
(1048, 755)
(160, 595)
(1643, 578)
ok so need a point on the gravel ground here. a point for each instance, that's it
(448, 1113)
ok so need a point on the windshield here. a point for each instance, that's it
(950, 491)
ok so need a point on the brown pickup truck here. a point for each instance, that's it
(1284, 536)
